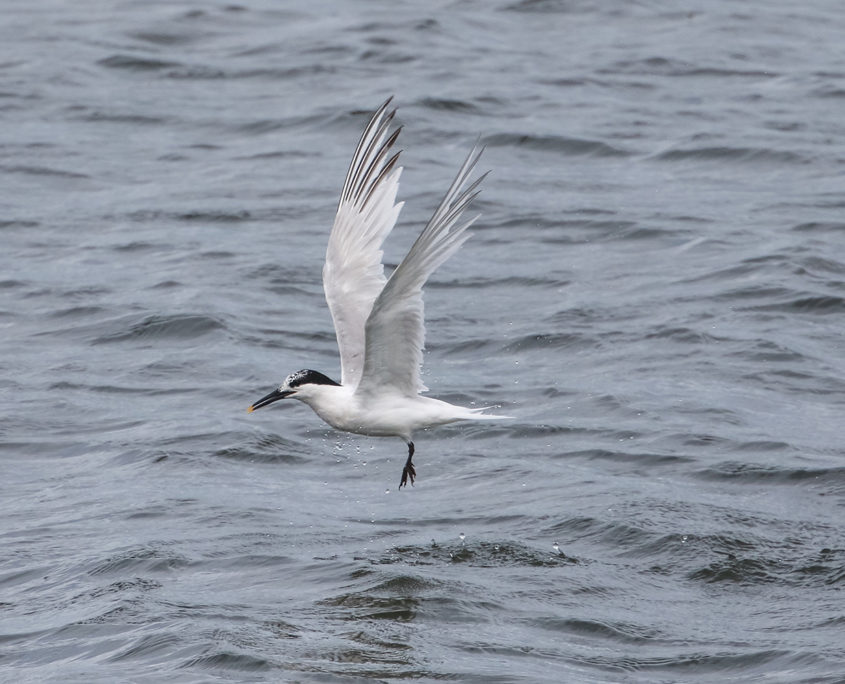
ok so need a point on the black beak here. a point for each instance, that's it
(275, 395)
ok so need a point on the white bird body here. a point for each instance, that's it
(386, 414)
(378, 321)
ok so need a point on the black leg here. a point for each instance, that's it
(408, 470)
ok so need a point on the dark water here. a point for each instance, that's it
(656, 291)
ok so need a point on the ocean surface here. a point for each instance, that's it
(655, 291)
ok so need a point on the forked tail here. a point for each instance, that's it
(478, 415)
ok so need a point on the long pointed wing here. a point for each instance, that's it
(353, 275)
(395, 330)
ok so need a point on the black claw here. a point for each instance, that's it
(408, 470)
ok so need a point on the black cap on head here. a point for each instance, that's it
(308, 377)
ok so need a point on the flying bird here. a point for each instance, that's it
(379, 321)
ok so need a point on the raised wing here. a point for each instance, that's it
(395, 330)
(353, 275)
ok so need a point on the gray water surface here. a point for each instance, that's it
(655, 290)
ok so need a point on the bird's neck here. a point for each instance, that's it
(317, 396)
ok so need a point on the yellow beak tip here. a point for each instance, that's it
(250, 409)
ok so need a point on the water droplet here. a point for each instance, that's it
(462, 536)
(684, 539)
(556, 547)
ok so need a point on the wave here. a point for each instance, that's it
(174, 326)
(134, 63)
(140, 561)
(753, 473)
(487, 554)
(506, 281)
(749, 566)
(551, 341)
(820, 227)
(641, 458)
(448, 105)
(814, 304)
(555, 143)
(231, 662)
(665, 66)
(18, 223)
(619, 632)
(263, 448)
(727, 153)
(32, 170)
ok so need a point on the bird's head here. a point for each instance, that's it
(298, 383)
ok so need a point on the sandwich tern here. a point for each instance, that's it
(379, 321)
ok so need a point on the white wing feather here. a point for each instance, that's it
(353, 275)
(395, 329)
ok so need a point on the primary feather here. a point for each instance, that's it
(395, 328)
(353, 275)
